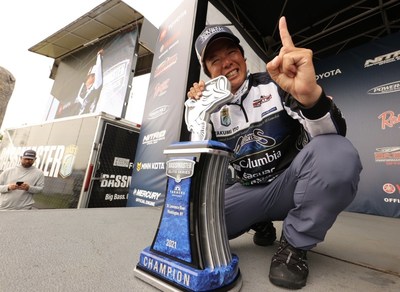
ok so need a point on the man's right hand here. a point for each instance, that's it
(196, 90)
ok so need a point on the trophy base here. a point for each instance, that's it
(169, 275)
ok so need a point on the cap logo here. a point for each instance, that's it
(210, 32)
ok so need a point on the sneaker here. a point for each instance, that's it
(265, 233)
(289, 268)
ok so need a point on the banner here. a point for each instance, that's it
(162, 117)
(94, 79)
(365, 84)
(113, 174)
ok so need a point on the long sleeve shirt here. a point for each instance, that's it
(266, 128)
(20, 199)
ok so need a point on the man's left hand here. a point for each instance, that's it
(293, 70)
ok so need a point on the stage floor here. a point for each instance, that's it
(98, 249)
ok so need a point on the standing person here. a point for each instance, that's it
(90, 90)
(19, 183)
(291, 159)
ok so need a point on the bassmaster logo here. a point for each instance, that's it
(53, 160)
(385, 88)
(383, 59)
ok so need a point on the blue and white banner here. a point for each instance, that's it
(163, 113)
(365, 84)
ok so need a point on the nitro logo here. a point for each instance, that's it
(328, 74)
(158, 112)
(389, 119)
(154, 138)
(385, 88)
(383, 59)
(258, 137)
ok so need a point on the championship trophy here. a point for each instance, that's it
(190, 251)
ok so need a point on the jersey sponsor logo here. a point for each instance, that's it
(225, 117)
(271, 110)
(264, 98)
(249, 163)
(256, 136)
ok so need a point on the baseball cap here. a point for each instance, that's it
(30, 154)
(209, 34)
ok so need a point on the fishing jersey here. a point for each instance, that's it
(266, 128)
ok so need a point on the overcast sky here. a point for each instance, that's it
(24, 24)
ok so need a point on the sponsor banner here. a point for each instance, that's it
(365, 84)
(95, 79)
(163, 113)
(112, 178)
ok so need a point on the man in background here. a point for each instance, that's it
(18, 184)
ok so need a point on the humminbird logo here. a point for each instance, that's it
(158, 112)
(385, 88)
(383, 59)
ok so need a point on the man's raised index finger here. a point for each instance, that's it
(284, 33)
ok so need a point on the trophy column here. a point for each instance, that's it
(190, 251)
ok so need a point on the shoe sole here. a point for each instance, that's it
(290, 285)
(263, 242)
